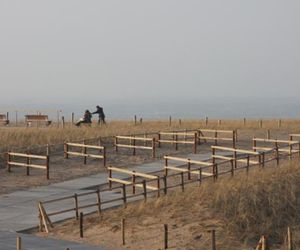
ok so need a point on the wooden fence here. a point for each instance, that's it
(132, 143)
(246, 156)
(84, 147)
(288, 148)
(74, 205)
(217, 135)
(11, 161)
(133, 175)
(188, 166)
(176, 138)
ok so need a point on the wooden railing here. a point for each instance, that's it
(287, 148)
(84, 147)
(132, 143)
(11, 161)
(188, 166)
(176, 138)
(217, 135)
(133, 175)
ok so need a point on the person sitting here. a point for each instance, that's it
(100, 112)
(87, 118)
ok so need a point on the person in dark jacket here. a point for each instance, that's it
(99, 111)
(87, 118)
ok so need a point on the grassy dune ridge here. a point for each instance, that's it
(241, 209)
(14, 137)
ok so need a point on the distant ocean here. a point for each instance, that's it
(195, 109)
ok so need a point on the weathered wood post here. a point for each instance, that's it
(8, 160)
(232, 167)
(135, 120)
(133, 181)
(166, 236)
(206, 121)
(47, 166)
(110, 176)
(134, 143)
(179, 122)
(27, 163)
(99, 201)
(254, 144)
(182, 181)
(289, 239)
(195, 142)
(170, 121)
(189, 169)
(124, 195)
(159, 138)
(72, 119)
(279, 123)
(123, 231)
(116, 144)
(216, 138)
(158, 186)
(165, 184)
(76, 206)
(63, 121)
(153, 148)
(244, 122)
(213, 240)
(268, 134)
(66, 149)
(166, 165)
(81, 225)
(16, 118)
(176, 139)
(84, 152)
(19, 243)
(145, 190)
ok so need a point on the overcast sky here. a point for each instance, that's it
(69, 51)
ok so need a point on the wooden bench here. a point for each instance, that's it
(3, 119)
(38, 119)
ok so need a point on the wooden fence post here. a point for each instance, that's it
(153, 148)
(110, 176)
(200, 176)
(28, 163)
(99, 201)
(206, 121)
(47, 167)
(254, 144)
(166, 165)
(279, 123)
(19, 243)
(179, 122)
(232, 168)
(63, 121)
(123, 231)
(166, 236)
(72, 119)
(66, 149)
(158, 186)
(135, 120)
(84, 151)
(176, 144)
(289, 239)
(182, 181)
(124, 195)
(145, 190)
(170, 121)
(195, 142)
(213, 240)
(134, 143)
(244, 122)
(165, 184)
(268, 134)
(133, 181)
(81, 225)
(76, 206)
(189, 169)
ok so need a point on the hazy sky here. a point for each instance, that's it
(69, 51)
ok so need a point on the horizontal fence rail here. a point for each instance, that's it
(11, 161)
(217, 135)
(84, 147)
(176, 138)
(132, 143)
